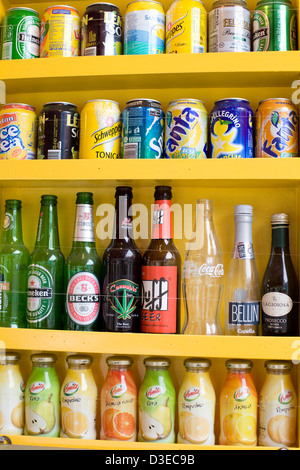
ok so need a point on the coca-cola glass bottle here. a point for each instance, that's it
(203, 276)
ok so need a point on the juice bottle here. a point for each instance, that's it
(42, 413)
(238, 405)
(11, 394)
(119, 401)
(79, 399)
(196, 404)
(157, 402)
(277, 406)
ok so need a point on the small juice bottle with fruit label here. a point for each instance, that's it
(79, 399)
(119, 401)
(277, 406)
(11, 394)
(196, 404)
(157, 402)
(238, 405)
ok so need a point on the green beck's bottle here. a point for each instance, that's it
(46, 271)
(13, 268)
(83, 271)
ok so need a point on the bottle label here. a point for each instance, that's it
(8, 221)
(122, 296)
(244, 313)
(83, 298)
(243, 250)
(39, 293)
(162, 220)
(159, 299)
(84, 227)
(275, 308)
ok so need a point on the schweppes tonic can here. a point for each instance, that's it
(100, 130)
(186, 27)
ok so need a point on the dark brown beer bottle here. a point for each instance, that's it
(161, 271)
(280, 290)
(122, 267)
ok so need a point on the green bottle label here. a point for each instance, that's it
(39, 293)
(261, 31)
(4, 289)
(123, 296)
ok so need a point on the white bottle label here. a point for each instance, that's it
(84, 227)
(276, 304)
(83, 298)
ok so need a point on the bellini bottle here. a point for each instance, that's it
(83, 272)
(161, 271)
(280, 289)
(45, 271)
(122, 266)
(13, 268)
(242, 289)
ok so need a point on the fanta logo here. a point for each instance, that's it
(241, 394)
(191, 394)
(180, 126)
(153, 392)
(285, 397)
(285, 130)
(36, 388)
(70, 388)
(118, 390)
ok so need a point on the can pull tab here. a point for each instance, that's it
(5, 440)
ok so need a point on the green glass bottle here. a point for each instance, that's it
(46, 271)
(83, 270)
(13, 267)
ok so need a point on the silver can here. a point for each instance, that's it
(229, 27)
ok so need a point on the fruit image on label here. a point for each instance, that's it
(239, 428)
(39, 293)
(282, 429)
(42, 419)
(159, 424)
(83, 298)
(118, 424)
(74, 423)
(194, 429)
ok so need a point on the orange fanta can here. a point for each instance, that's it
(238, 405)
(119, 401)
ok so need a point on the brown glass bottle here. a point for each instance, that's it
(122, 267)
(161, 271)
(280, 290)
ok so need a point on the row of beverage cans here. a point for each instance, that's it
(185, 28)
(143, 131)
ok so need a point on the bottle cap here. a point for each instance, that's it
(48, 199)
(79, 360)
(9, 357)
(243, 209)
(43, 358)
(118, 361)
(157, 362)
(280, 218)
(163, 193)
(235, 364)
(123, 191)
(197, 363)
(278, 365)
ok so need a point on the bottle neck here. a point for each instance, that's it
(243, 245)
(280, 237)
(12, 227)
(84, 226)
(123, 230)
(162, 228)
(47, 234)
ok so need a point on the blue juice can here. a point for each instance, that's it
(143, 129)
(231, 129)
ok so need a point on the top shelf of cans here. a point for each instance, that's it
(148, 28)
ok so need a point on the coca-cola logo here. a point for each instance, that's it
(191, 394)
(70, 388)
(285, 397)
(212, 271)
(153, 392)
(36, 388)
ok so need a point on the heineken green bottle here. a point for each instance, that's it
(13, 267)
(82, 272)
(46, 271)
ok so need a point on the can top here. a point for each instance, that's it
(79, 360)
(197, 363)
(61, 6)
(22, 8)
(157, 362)
(9, 357)
(65, 103)
(224, 3)
(280, 219)
(144, 1)
(232, 99)
(17, 105)
(119, 361)
(149, 100)
(102, 3)
(199, 1)
(266, 2)
(101, 101)
(278, 365)
(43, 359)
(185, 99)
(277, 99)
(237, 364)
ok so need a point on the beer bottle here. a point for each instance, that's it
(161, 271)
(122, 266)
(83, 271)
(13, 268)
(280, 288)
(45, 271)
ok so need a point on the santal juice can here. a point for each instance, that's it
(276, 129)
(100, 130)
(186, 27)
(186, 129)
(17, 132)
(143, 129)
(231, 129)
(60, 32)
(20, 34)
(144, 28)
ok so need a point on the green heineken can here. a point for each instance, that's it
(20, 34)
(274, 26)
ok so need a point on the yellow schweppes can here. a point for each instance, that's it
(186, 27)
(100, 130)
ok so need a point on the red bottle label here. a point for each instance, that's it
(162, 220)
(159, 307)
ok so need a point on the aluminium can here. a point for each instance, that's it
(229, 26)
(186, 27)
(101, 32)
(231, 129)
(17, 132)
(186, 129)
(58, 131)
(60, 32)
(100, 130)
(274, 26)
(20, 37)
(143, 129)
(276, 130)
(144, 28)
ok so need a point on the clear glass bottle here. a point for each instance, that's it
(203, 276)
(11, 394)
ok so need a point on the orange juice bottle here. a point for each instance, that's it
(79, 399)
(11, 394)
(196, 404)
(119, 401)
(238, 405)
(277, 406)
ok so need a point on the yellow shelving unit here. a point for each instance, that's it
(268, 185)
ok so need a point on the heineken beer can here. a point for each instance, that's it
(274, 26)
(20, 36)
